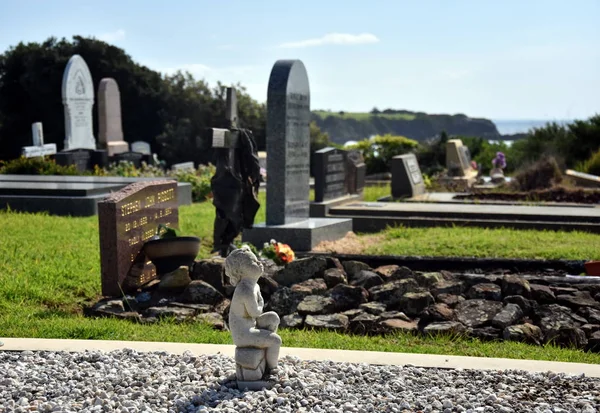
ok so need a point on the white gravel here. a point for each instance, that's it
(130, 381)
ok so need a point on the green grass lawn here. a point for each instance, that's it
(364, 115)
(50, 266)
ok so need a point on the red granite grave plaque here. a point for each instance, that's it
(127, 219)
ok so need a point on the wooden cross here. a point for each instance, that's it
(227, 138)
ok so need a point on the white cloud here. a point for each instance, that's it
(112, 37)
(333, 38)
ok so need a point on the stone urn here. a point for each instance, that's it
(168, 254)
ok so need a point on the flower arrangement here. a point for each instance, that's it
(280, 253)
(499, 161)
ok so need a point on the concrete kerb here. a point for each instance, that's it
(349, 356)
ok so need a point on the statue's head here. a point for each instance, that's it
(242, 263)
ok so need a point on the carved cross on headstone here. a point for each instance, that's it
(235, 183)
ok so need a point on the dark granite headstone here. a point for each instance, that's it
(407, 180)
(288, 169)
(127, 219)
(288, 143)
(135, 158)
(83, 159)
(330, 174)
(356, 172)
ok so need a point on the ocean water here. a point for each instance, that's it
(510, 127)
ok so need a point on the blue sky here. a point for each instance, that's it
(509, 59)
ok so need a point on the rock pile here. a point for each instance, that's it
(349, 296)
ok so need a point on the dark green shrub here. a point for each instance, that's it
(36, 166)
(592, 165)
(543, 174)
(200, 180)
(379, 151)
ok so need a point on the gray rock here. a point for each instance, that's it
(566, 336)
(577, 300)
(589, 329)
(316, 304)
(485, 291)
(592, 315)
(448, 287)
(364, 324)
(526, 333)
(268, 286)
(486, 333)
(312, 286)
(391, 292)
(198, 308)
(352, 268)
(477, 313)
(366, 279)
(445, 327)
(395, 324)
(338, 322)
(428, 279)
(509, 315)
(210, 271)
(553, 317)
(109, 306)
(165, 312)
(200, 292)
(388, 315)
(527, 306)
(373, 307)
(386, 271)
(413, 304)
(285, 301)
(175, 280)
(292, 321)
(542, 294)
(213, 319)
(353, 313)
(301, 270)
(347, 297)
(437, 312)
(334, 276)
(515, 285)
(450, 300)
(594, 342)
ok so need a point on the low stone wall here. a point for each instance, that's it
(324, 293)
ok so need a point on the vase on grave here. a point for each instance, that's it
(168, 254)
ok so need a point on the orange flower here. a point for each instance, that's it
(284, 253)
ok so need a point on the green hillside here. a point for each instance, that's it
(345, 126)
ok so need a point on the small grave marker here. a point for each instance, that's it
(330, 174)
(127, 219)
(38, 148)
(141, 147)
(357, 172)
(407, 179)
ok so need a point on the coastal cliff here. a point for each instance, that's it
(345, 126)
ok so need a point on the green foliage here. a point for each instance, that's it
(198, 177)
(592, 165)
(545, 173)
(36, 166)
(379, 151)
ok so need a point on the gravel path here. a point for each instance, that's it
(129, 381)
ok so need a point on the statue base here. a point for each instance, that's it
(301, 235)
(257, 385)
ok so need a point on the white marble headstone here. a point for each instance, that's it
(141, 147)
(37, 134)
(78, 100)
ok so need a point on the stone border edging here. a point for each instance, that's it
(349, 356)
(424, 263)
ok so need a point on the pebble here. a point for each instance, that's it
(129, 381)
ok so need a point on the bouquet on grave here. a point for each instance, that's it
(499, 161)
(280, 253)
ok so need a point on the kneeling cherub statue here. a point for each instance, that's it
(253, 332)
